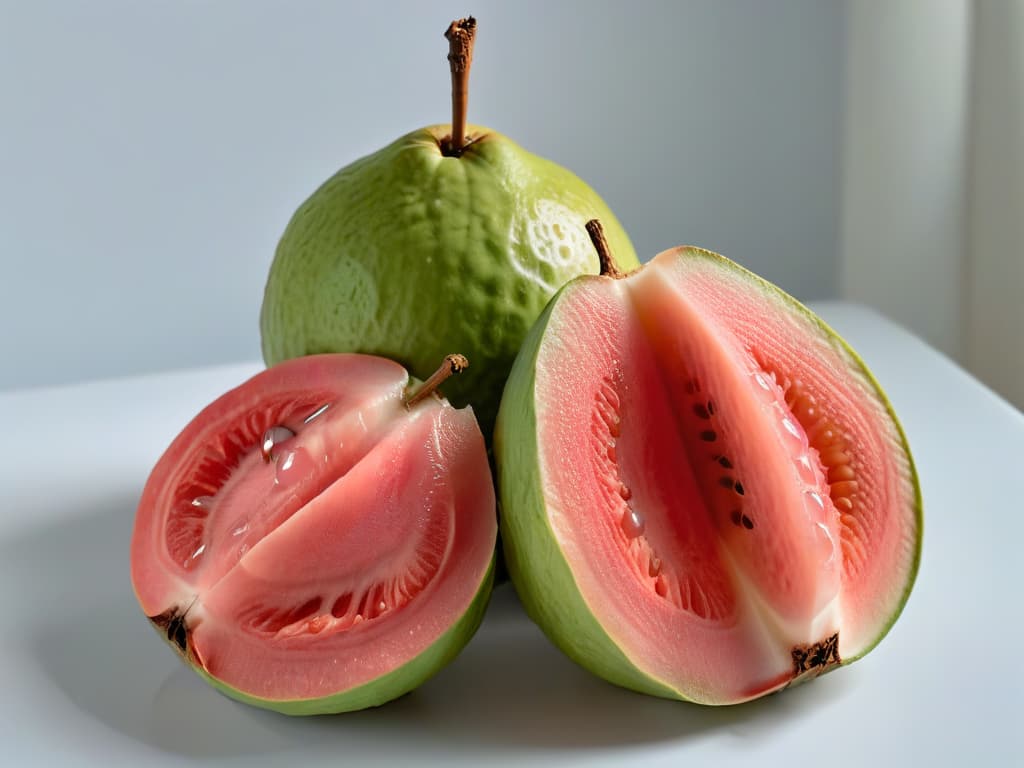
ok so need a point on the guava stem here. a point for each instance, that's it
(461, 35)
(608, 266)
(452, 364)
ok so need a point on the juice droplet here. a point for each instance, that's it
(382, 606)
(764, 387)
(191, 560)
(815, 506)
(794, 431)
(292, 467)
(273, 437)
(654, 567)
(202, 502)
(805, 468)
(317, 413)
(633, 523)
(240, 529)
(624, 492)
(826, 543)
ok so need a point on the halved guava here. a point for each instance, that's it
(310, 543)
(705, 494)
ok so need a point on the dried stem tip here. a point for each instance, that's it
(608, 266)
(452, 364)
(461, 35)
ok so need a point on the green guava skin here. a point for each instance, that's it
(411, 255)
(386, 688)
(537, 566)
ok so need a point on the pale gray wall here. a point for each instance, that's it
(151, 153)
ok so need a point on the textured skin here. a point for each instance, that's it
(539, 569)
(411, 255)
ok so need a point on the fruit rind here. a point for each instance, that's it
(396, 683)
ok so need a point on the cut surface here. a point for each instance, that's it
(730, 494)
(308, 534)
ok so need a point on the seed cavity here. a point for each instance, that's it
(701, 411)
(709, 435)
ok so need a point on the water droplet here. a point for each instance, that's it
(633, 523)
(794, 431)
(826, 543)
(661, 586)
(191, 560)
(815, 506)
(272, 437)
(805, 468)
(764, 388)
(317, 413)
(292, 467)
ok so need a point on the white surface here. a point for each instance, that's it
(86, 681)
(904, 174)
(152, 153)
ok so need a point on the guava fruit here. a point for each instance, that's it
(460, 239)
(705, 493)
(317, 540)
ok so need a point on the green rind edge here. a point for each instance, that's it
(883, 398)
(388, 687)
(539, 571)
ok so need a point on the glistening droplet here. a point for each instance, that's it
(317, 413)
(273, 437)
(764, 388)
(292, 467)
(805, 469)
(633, 523)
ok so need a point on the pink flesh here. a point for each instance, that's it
(346, 555)
(679, 377)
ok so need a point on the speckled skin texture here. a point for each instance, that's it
(412, 255)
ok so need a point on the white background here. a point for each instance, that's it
(152, 153)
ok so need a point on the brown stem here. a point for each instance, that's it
(452, 364)
(608, 266)
(461, 35)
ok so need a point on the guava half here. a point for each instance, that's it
(315, 541)
(706, 495)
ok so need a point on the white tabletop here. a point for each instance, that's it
(85, 681)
